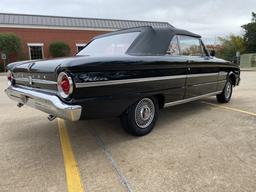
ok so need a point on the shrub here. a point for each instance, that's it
(229, 46)
(59, 49)
(10, 44)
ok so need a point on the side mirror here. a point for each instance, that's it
(212, 53)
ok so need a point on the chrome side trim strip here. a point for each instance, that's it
(223, 73)
(126, 81)
(21, 79)
(122, 81)
(39, 81)
(201, 84)
(38, 89)
(42, 81)
(190, 99)
(203, 75)
(138, 80)
(222, 81)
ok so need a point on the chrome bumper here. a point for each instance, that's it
(47, 103)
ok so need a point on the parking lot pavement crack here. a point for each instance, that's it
(108, 154)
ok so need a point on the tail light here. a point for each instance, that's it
(65, 85)
(10, 78)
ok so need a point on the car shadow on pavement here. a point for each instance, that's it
(107, 129)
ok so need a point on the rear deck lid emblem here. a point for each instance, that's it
(30, 66)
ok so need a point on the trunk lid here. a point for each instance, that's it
(34, 66)
(41, 74)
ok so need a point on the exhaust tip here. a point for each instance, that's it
(20, 105)
(51, 117)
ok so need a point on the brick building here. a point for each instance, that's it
(38, 31)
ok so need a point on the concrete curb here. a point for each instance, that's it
(248, 69)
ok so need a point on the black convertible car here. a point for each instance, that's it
(130, 74)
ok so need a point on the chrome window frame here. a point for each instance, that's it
(204, 53)
(178, 43)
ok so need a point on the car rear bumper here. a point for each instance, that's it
(47, 103)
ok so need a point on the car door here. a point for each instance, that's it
(203, 74)
(177, 65)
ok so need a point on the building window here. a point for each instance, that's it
(36, 51)
(80, 46)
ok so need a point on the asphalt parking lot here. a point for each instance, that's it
(199, 146)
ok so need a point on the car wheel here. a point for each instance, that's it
(226, 94)
(141, 117)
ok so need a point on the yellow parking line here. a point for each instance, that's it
(73, 179)
(230, 108)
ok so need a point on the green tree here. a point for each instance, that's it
(10, 44)
(59, 49)
(229, 46)
(250, 35)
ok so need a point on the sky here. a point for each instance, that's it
(209, 18)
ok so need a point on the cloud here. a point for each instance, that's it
(209, 18)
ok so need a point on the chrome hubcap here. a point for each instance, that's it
(228, 90)
(144, 113)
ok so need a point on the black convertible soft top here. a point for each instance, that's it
(151, 41)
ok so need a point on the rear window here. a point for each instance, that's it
(110, 45)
